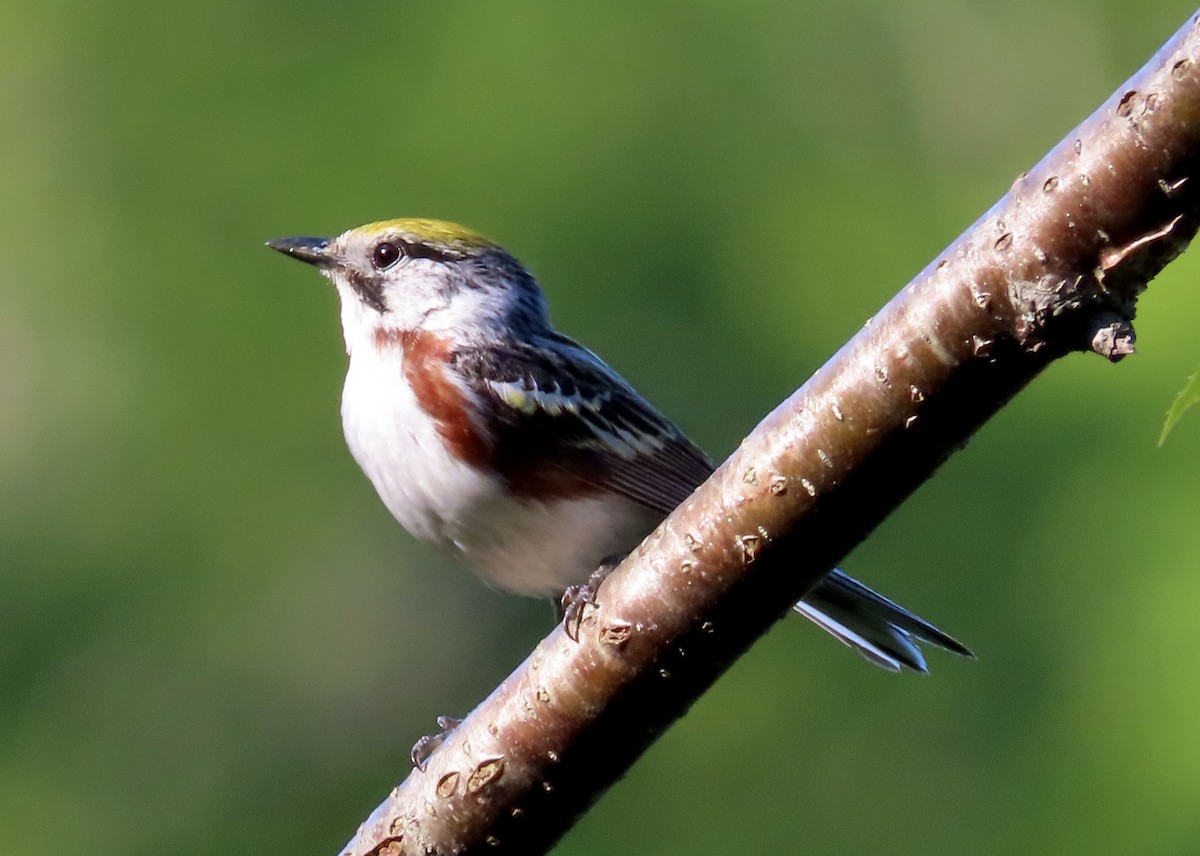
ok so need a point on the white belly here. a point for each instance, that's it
(521, 546)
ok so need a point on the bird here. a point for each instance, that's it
(491, 435)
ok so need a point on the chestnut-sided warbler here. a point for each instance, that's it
(490, 434)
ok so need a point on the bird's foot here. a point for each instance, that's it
(576, 599)
(425, 747)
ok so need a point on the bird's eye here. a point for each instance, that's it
(385, 255)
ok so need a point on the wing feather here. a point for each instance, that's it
(553, 406)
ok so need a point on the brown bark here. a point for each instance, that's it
(1055, 266)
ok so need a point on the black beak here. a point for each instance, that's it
(315, 251)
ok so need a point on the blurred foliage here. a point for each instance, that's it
(213, 638)
(1187, 398)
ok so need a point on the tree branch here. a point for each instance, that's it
(1055, 266)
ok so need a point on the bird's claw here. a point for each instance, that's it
(425, 746)
(575, 600)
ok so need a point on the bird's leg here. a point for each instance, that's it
(425, 747)
(576, 599)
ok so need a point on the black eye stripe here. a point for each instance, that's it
(418, 250)
(387, 253)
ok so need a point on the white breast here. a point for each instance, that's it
(522, 546)
(398, 447)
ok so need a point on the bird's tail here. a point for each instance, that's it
(882, 631)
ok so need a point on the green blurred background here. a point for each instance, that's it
(214, 639)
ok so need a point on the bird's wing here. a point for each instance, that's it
(560, 419)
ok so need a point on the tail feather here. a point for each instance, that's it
(884, 632)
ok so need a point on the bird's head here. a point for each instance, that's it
(401, 276)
